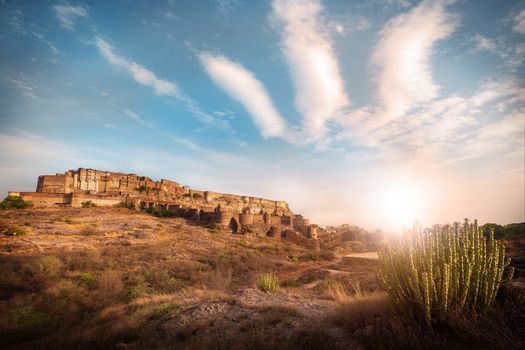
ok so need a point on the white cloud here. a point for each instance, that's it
(362, 23)
(137, 118)
(320, 92)
(244, 87)
(519, 22)
(15, 19)
(226, 6)
(24, 85)
(160, 86)
(340, 29)
(459, 128)
(139, 73)
(66, 14)
(402, 57)
(481, 43)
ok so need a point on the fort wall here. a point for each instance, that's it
(239, 214)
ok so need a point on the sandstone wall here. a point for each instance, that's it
(46, 199)
(51, 184)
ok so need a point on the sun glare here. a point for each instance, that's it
(401, 205)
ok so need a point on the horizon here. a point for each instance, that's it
(372, 114)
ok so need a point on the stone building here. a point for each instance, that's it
(239, 214)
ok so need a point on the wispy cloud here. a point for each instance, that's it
(137, 118)
(402, 58)
(243, 86)
(24, 85)
(306, 45)
(481, 43)
(67, 14)
(15, 19)
(454, 128)
(161, 87)
(519, 22)
(226, 6)
(139, 73)
(409, 115)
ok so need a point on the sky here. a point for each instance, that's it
(371, 113)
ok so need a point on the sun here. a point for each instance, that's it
(401, 205)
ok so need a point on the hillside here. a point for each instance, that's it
(116, 278)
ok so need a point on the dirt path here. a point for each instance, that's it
(369, 255)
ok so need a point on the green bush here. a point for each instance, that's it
(130, 206)
(14, 231)
(160, 213)
(86, 279)
(214, 227)
(48, 265)
(294, 258)
(509, 231)
(28, 318)
(290, 283)
(247, 229)
(14, 202)
(88, 204)
(268, 283)
(163, 309)
(435, 272)
(138, 291)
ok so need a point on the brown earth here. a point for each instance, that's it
(111, 278)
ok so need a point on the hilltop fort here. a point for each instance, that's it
(239, 214)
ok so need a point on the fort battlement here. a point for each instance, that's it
(239, 214)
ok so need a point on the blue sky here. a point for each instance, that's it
(370, 113)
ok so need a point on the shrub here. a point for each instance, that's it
(163, 213)
(247, 229)
(48, 265)
(86, 279)
(137, 291)
(14, 231)
(130, 206)
(163, 309)
(88, 204)
(28, 318)
(214, 227)
(443, 270)
(109, 286)
(268, 283)
(294, 258)
(290, 283)
(14, 202)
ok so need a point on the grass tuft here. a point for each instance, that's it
(268, 283)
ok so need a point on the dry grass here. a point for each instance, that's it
(371, 320)
(64, 288)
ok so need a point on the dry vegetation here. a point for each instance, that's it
(99, 278)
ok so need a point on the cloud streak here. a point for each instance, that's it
(139, 73)
(242, 85)
(519, 22)
(137, 118)
(402, 58)
(306, 45)
(67, 14)
(161, 87)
